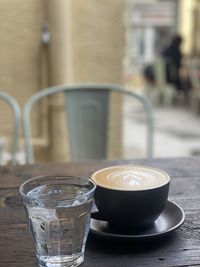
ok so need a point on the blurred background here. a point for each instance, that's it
(152, 47)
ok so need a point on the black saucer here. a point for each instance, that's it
(170, 219)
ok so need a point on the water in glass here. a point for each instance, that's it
(59, 222)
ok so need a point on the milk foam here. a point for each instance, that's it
(130, 177)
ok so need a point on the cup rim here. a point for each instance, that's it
(131, 165)
(32, 199)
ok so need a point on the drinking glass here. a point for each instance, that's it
(58, 210)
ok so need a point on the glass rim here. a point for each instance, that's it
(30, 199)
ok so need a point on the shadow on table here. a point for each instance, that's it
(121, 246)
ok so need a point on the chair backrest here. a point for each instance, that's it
(16, 123)
(87, 108)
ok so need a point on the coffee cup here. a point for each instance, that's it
(130, 197)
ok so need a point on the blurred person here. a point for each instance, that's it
(149, 75)
(173, 60)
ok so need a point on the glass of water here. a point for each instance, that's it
(58, 210)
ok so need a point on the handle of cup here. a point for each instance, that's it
(95, 213)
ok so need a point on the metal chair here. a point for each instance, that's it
(87, 109)
(16, 124)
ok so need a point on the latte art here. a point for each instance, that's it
(130, 178)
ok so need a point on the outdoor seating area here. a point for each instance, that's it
(100, 133)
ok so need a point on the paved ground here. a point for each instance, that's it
(177, 132)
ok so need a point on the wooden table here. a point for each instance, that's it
(181, 248)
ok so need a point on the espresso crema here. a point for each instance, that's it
(130, 177)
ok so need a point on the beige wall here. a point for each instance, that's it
(97, 36)
(187, 22)
(20, 52)
(86, 46)
(196, 29)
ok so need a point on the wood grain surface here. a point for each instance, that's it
(180, 248)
